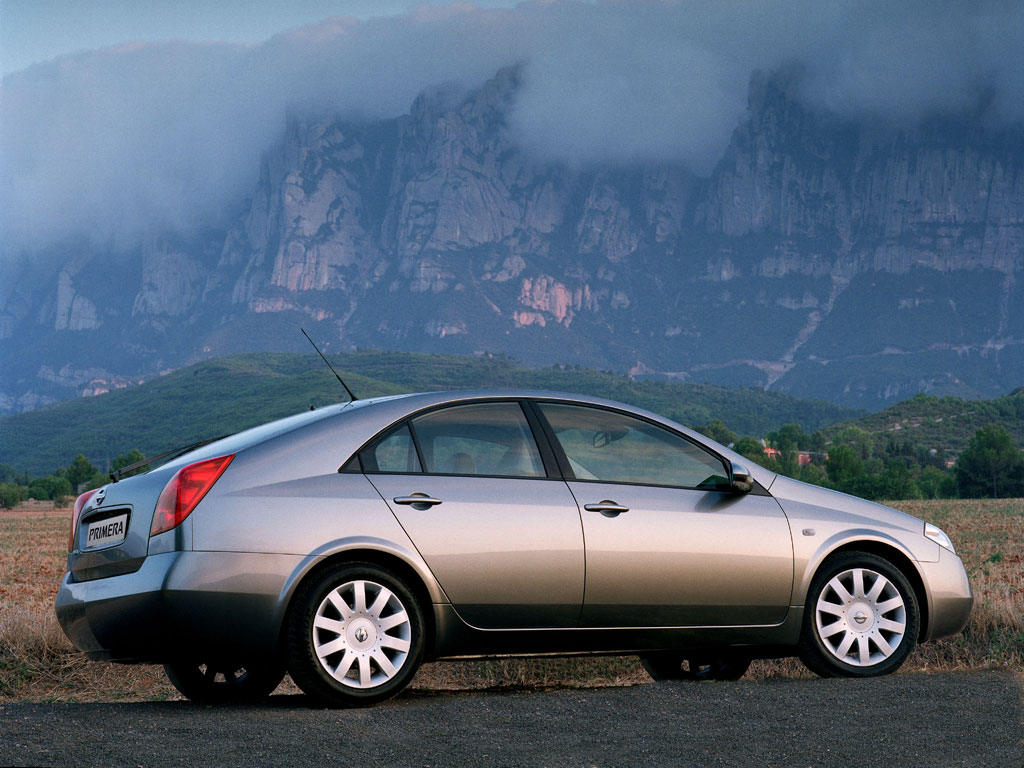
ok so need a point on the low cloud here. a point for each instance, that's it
(119, 144)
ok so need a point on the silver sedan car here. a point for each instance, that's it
(349, 544)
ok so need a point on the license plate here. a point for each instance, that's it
(108, 531)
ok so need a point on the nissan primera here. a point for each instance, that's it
(349, 544)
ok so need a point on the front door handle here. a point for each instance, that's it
(420, 500)
(607, 508)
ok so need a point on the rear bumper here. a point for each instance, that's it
(950, 595)
(179, 603)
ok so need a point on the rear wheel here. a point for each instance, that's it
(861, 618)
(224, 681)
(355, 635)
(671, 665)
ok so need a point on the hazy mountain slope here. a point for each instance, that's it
(820, 258)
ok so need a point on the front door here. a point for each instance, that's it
(668, 543)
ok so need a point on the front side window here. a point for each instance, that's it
(479, 439)
(613, 447)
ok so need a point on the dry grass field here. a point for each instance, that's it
(37, 663)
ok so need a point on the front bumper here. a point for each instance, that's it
(179, 603)
(950, 595)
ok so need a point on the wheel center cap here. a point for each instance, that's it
(860, 617)
(362, 634)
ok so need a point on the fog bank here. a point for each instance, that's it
(118, 144)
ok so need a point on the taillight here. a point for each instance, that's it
(185, 490)
(80, 503)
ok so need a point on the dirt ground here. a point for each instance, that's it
(37, 662)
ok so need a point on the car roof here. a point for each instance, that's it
(393, 408)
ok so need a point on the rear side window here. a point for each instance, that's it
(613, 447)
(395, 452)
(478, 439)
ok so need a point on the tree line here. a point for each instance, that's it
(991, 466)
(63, 484)
(852, 461)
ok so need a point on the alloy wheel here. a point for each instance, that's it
(362, 634)
(861, 617)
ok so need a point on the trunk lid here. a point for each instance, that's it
(111, 536)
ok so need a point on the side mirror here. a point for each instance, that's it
(741, 478)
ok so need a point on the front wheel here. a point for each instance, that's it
(671, 665)
(861, 619)
(224, 681)
(355, 635)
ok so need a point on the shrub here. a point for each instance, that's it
(11, 495)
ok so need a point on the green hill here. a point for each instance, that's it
(945, 424)
(228, 394)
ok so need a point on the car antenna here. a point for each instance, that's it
(352, 397)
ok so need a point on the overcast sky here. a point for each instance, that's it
(32, 31)
(154, 115)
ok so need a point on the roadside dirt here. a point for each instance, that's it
(34, 509)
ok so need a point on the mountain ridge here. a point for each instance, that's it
(820, 258)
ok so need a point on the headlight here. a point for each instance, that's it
(937, 535)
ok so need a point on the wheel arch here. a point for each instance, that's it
(886, 551)
(391, 561)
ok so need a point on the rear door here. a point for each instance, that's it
(668, 543)
(470, 486)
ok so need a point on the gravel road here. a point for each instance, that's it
(952, 719)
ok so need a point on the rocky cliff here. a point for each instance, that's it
(859, 263)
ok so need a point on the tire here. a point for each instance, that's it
(224, 682)
(861, 618)
(671, 665)
(355, 635)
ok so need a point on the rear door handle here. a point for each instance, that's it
(416, 499)
(607, 507)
